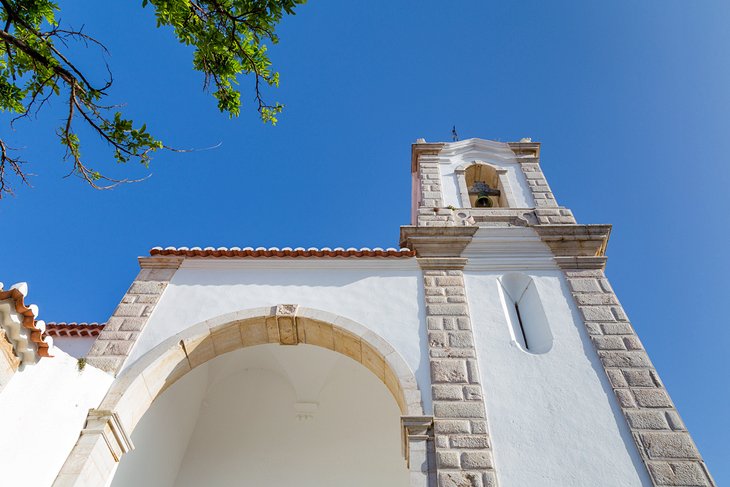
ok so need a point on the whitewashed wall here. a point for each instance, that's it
(384, 295)
(44, 407)
(75, 346)
(232, 421)
(553, 417)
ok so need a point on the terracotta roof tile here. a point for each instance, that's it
(37, 328)
(283, 252)
(61, 329)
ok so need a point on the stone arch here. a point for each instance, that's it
(498, 181)
(105, 437)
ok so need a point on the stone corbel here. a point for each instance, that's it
(107, 424)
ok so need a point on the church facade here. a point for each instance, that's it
(487, 350)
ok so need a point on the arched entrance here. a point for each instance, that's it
(106, 437)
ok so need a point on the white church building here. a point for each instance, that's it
(487, 350)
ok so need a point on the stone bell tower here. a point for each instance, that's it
(537, 376)
(489, 350)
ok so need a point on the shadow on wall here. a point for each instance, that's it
(592, 356)
(529, 325)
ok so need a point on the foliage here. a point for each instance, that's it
(228, 39)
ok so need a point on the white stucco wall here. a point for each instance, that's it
(384, 295)
(163, 434)
(44, 407)
(498, 154)
(233, 421)
(553, 418)
(75, 346)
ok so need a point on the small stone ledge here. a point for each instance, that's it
(450, 263)
(160, 262)
(582, 262)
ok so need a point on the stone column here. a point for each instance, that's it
(665, 445)
(463, 448)
(425, 164)
(115, 342)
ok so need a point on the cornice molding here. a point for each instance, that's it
(437, 241)
(424, 148)
(160, 262)
(442, 263)
(576, 246)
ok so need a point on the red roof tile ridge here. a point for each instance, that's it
(17, 293)
(281, 252)
(73, 329)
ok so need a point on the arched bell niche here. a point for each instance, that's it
(482, 185)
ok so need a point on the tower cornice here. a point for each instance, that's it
(436, 241)
(576, 246)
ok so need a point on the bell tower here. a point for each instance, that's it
(537, 376)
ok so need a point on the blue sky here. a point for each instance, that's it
(630, 100)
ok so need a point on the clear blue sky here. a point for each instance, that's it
(630, 100)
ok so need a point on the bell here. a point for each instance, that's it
(483, 201)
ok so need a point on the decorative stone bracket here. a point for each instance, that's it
(108, 425)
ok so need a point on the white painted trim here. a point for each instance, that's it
(508, 249)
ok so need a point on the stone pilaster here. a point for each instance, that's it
(425, 164)
(116, 340)
(462, 442)
(101, 445)
(665, 446)
(547, 209)
(541, 192)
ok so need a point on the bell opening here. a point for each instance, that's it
(483, 202)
